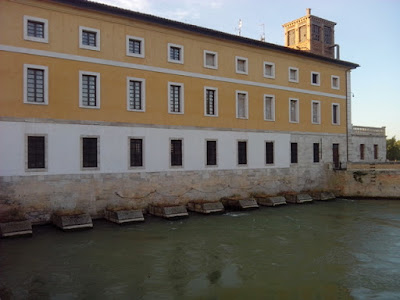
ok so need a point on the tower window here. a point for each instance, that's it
(302, 33)
(291, 37)
(327, 35)
(316, 30)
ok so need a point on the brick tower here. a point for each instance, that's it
(312, 34)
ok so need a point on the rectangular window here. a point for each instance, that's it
(316, 112)
(36, 29)
(269, 153)
(176, 153)
(315, 78)
(36, 152)
(293, 110)
(210, 59)
(89, 38)
(136, 94)
(269, 108)
(175, 53)
(291, 37)
(302, 33)
(89, 152)
(211, 101)
(241, 65)
(89, 89)
(327, 35)
(136, 152)
(335, 114)
(293, 153)
(35, 84)
(293, 74)
(316, 152)
(362, 151)
(316, 30)
(269, 70)
(335, 82)
(175, 98)
(211, 153)
(375, 151)
(134, 46)
(242, 152)
(241, 105)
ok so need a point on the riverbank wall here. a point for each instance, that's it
(361, 180)
(40, 196)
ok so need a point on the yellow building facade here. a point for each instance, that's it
(88, 88)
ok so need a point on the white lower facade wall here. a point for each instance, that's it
(64, 185)
(64, 148)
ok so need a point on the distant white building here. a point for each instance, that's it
(367, 144)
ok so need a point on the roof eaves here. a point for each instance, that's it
(104, 8)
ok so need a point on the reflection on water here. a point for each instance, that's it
(326, 250)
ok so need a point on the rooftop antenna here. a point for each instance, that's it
(263, 33)
(240, 27)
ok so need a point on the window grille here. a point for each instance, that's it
(36, 152)
(35, 85)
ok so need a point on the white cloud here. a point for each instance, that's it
(187, 11)
(135, 5)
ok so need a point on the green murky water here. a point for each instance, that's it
(326, 250)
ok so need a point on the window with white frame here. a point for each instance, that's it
(315, 78)
(36, 152)
(269, 70)
(89, 38)
(241, 105)
(316, 112)
(210, 59)
(269, 153)
(176, 152)
(90, 152)
(35, 84)
(269, 108)
(175, 98)
(293, 74)
(211, 152)
(242, 152)
(335, 82)
(175, 53)
(136, 152)
(134, 46)
(89, 89)
(335, 114)
(136, 94)
(210, 101)
(293, 110)
(36, 29)
(241, 65)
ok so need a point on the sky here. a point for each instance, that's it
(367, 31)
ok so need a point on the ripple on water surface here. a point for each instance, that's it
(338, 250)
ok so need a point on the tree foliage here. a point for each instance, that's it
(393, 149)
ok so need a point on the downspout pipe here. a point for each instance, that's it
(337, 50)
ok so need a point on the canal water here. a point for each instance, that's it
(343, 249)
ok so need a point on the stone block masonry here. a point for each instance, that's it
(92, 193)
(368, 182)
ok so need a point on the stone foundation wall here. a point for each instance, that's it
(367, 183)
(41, 195)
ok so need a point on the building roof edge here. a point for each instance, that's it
(108, 9)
